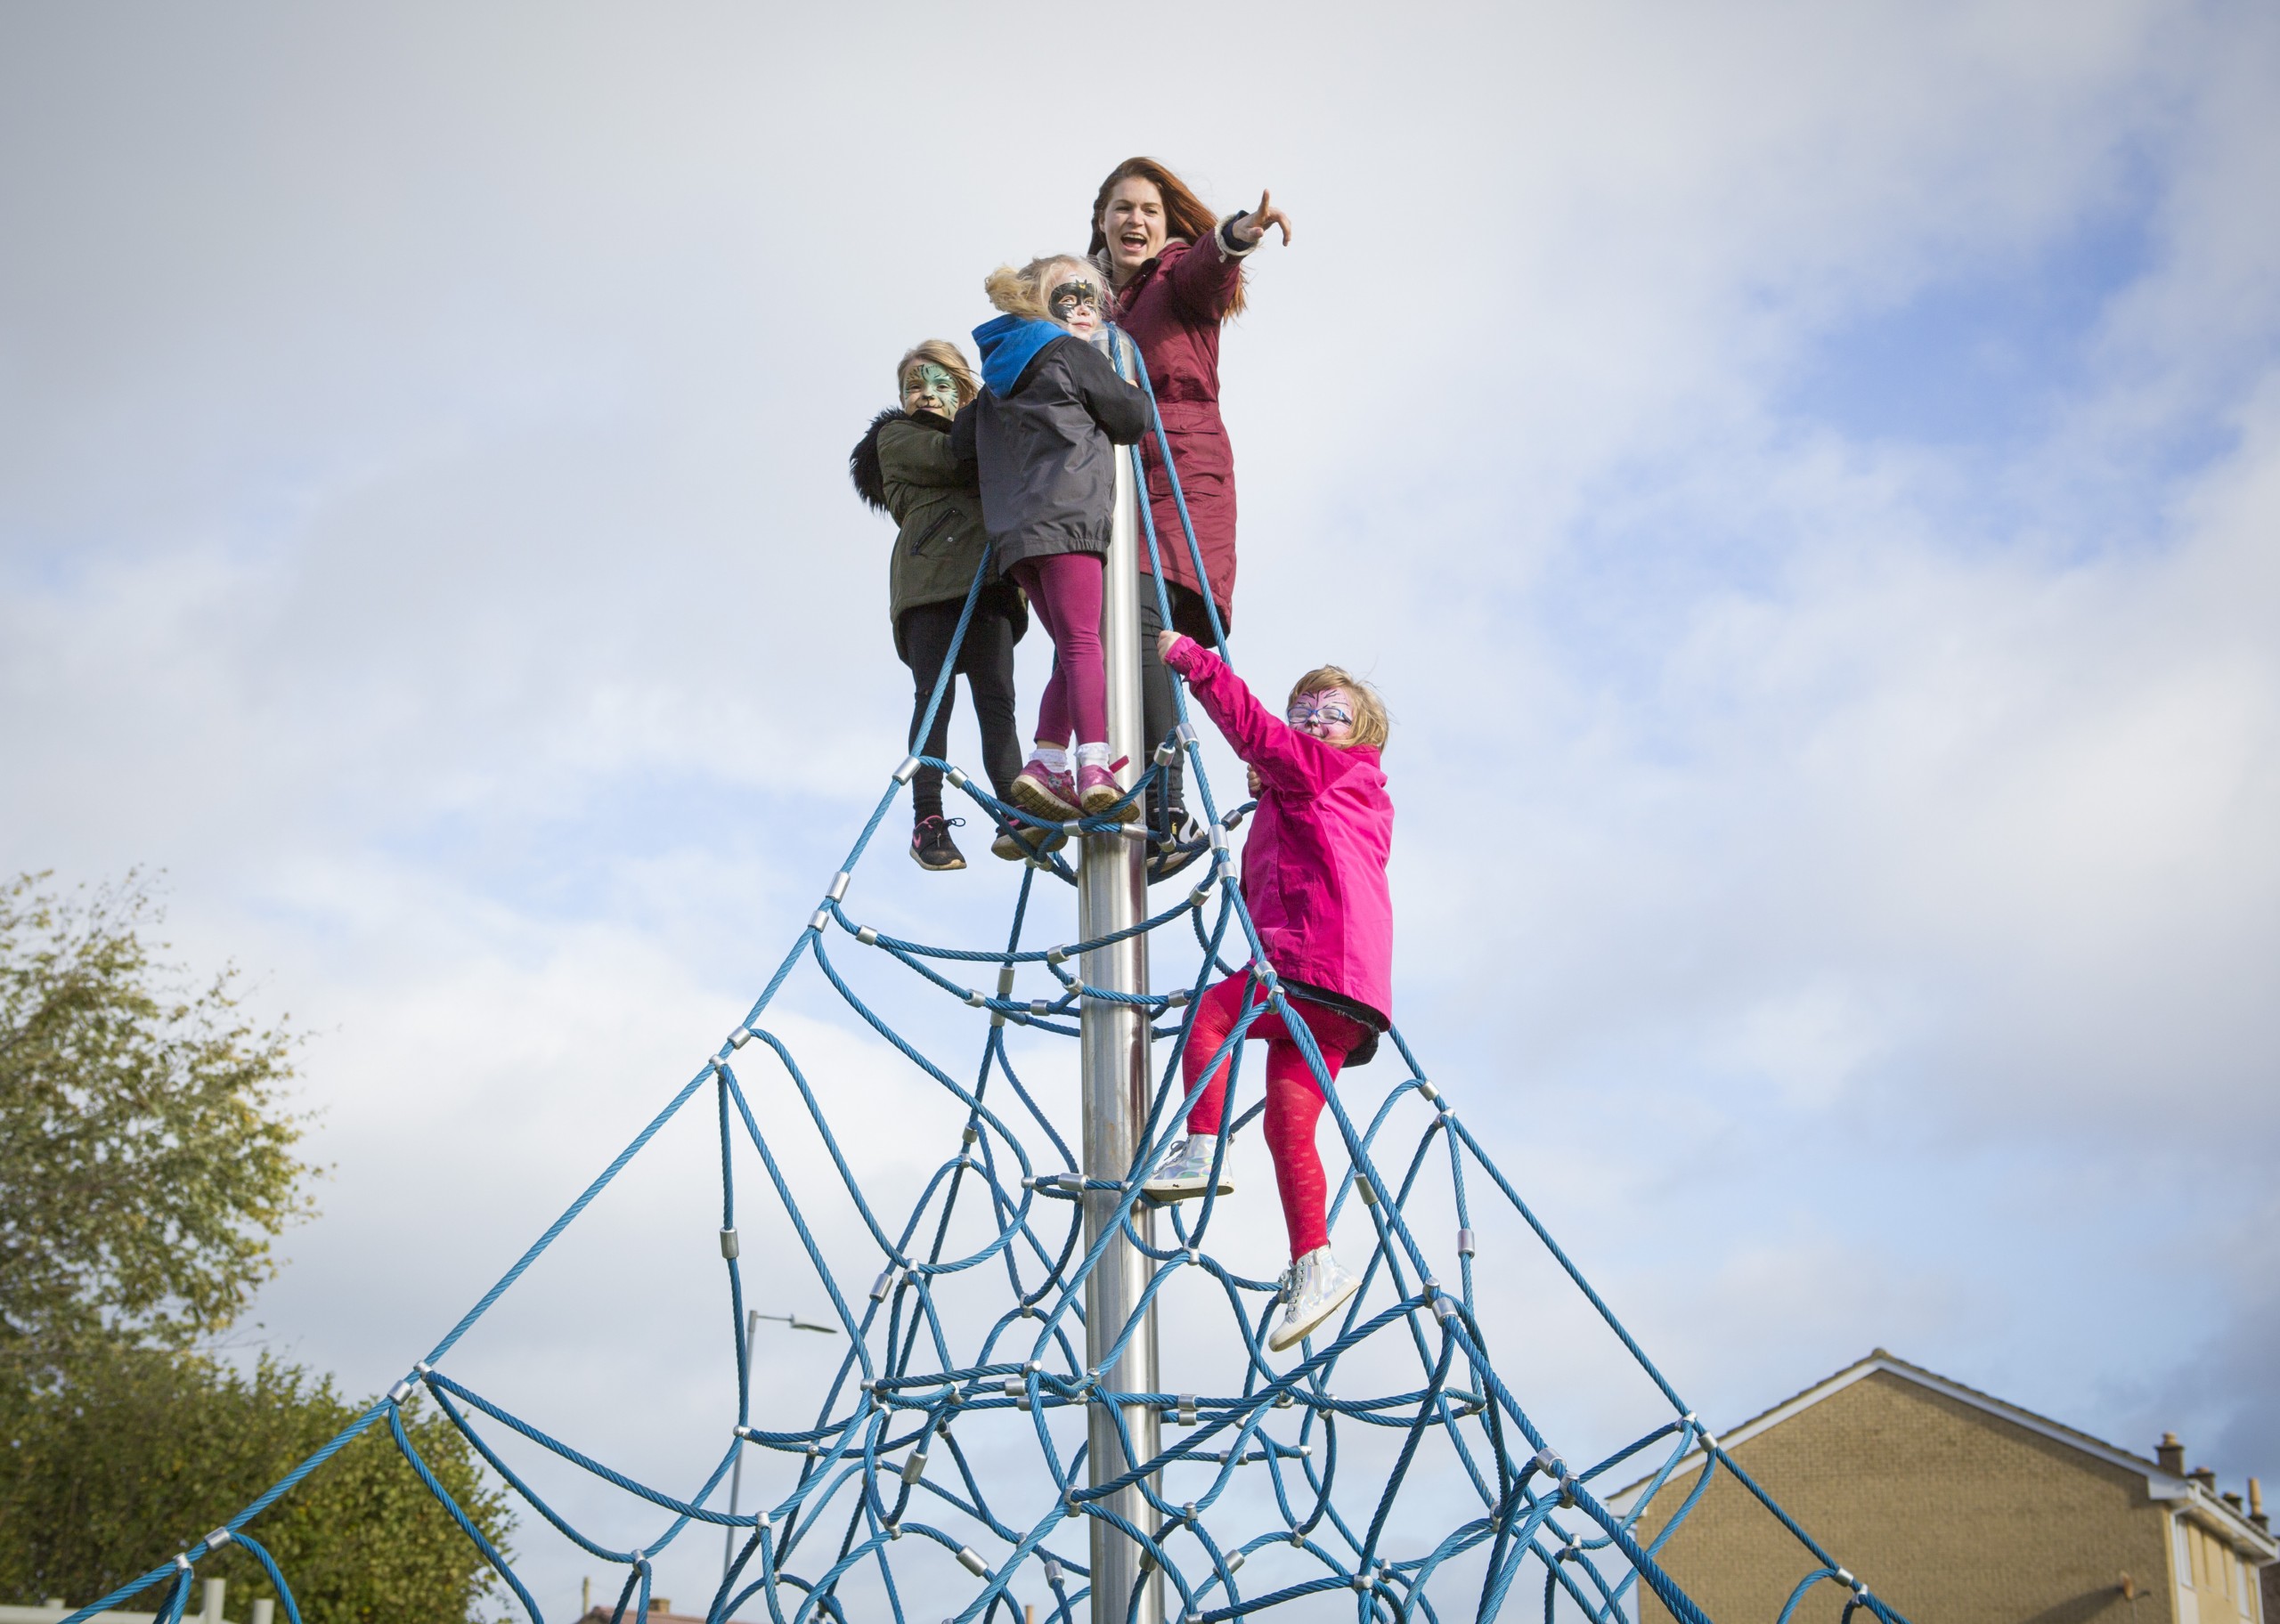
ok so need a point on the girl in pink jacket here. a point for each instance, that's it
(1314, 881)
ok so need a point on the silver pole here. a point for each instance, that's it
(1111, 895)
(737, 1472)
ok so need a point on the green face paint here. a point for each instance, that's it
(927, 387)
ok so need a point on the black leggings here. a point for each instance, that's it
(1159, 709)
(986, 660)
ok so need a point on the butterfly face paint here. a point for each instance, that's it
(927, 387)
(1078, 305)
(1327, 714)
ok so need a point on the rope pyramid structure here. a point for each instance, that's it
(951, 1468)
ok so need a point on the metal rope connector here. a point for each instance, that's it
(909, 767)
(974, 1564)
(215, 1540)
(730, 1244)
(839, 883)
(1186, 1413)
(1465, 1245)
(868, 936)
(957, 775)
(884, 1284)
(1428, 1090)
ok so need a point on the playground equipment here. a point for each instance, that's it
(948, 1463)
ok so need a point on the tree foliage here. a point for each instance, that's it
(139, 1451)
(146, 1152)
(146, 1165)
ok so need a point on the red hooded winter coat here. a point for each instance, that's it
(1315, 864)
(1173, 308)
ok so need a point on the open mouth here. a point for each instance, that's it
(1135, 239)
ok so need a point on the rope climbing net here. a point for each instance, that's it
(946, 1459)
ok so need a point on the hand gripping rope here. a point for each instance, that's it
(937, 1480)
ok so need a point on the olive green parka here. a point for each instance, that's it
(904, 467)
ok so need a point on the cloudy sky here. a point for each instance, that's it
(1806, 479)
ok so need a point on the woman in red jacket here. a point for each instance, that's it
(1178, 273)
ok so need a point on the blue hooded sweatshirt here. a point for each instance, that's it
(1008, 344)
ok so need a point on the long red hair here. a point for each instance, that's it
(1186, 214)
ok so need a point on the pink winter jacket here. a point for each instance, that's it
(1315, 864)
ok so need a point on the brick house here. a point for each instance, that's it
(1958, 1508)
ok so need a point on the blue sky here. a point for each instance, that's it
(1806, 480)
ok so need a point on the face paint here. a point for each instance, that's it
(1328, 714)
(927, 387)
(1064, 299)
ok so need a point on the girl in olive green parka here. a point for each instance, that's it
(903, 466)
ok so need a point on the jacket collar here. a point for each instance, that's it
(1008, 344)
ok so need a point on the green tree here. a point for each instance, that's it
(141, 1450)
(146, 1153)
(146, 1165)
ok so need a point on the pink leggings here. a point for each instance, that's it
(1064, 588)
(1293, 1102)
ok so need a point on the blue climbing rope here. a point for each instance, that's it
(902, 1469)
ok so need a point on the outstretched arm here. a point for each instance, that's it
(1204, 279)
(1280, 755)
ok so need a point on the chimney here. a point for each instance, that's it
(2171, 1455)
(2206, 1476)
(2256, 1504)
(2231, 1499)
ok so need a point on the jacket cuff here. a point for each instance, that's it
(1183, 655)
(1229, 248)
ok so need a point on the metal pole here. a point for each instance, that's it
(1111, 895)
(737, 1472)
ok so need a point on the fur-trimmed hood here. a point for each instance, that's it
(863, 462)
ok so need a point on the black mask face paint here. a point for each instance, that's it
(1067, 296)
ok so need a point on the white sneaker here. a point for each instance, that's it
(1318, 1289)
(1187, 1170)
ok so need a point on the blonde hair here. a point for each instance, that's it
(943, 353)
(1022, 293)
(1372, 725)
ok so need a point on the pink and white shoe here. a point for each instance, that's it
(1097, 791)
(1042, 793)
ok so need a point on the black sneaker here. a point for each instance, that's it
(1020, 842)
(932, 847)
(1168, 855)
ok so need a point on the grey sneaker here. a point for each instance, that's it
(1318, 1289)
(1187, 1170)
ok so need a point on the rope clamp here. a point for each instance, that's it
(739, 1038)
(1845, 1578)
(1056, 955)
(1236, 1560)
(729, 1246)
(1176, 999)
(182, 1561)
(907, 770)
(1465, 1248)
(219, 1537)
(839, 884)
(974, 1564)
(915, 1467)
(821, 918)
(974, 997)
(883, 1285)
(1186, 1415)
(1430, 1092)
(957, 775)
(868, 936)
(1707, 1438)
(1052, 1572)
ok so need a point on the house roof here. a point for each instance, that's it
(2160, 1485)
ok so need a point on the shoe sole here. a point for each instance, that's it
(1168, 1190)
(1051, 841)
(1289, 1334)
(951, 867)
(1038, 801)
(1097, 803)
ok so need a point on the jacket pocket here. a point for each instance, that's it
(941, 522)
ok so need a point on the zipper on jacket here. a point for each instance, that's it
(947, 516)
